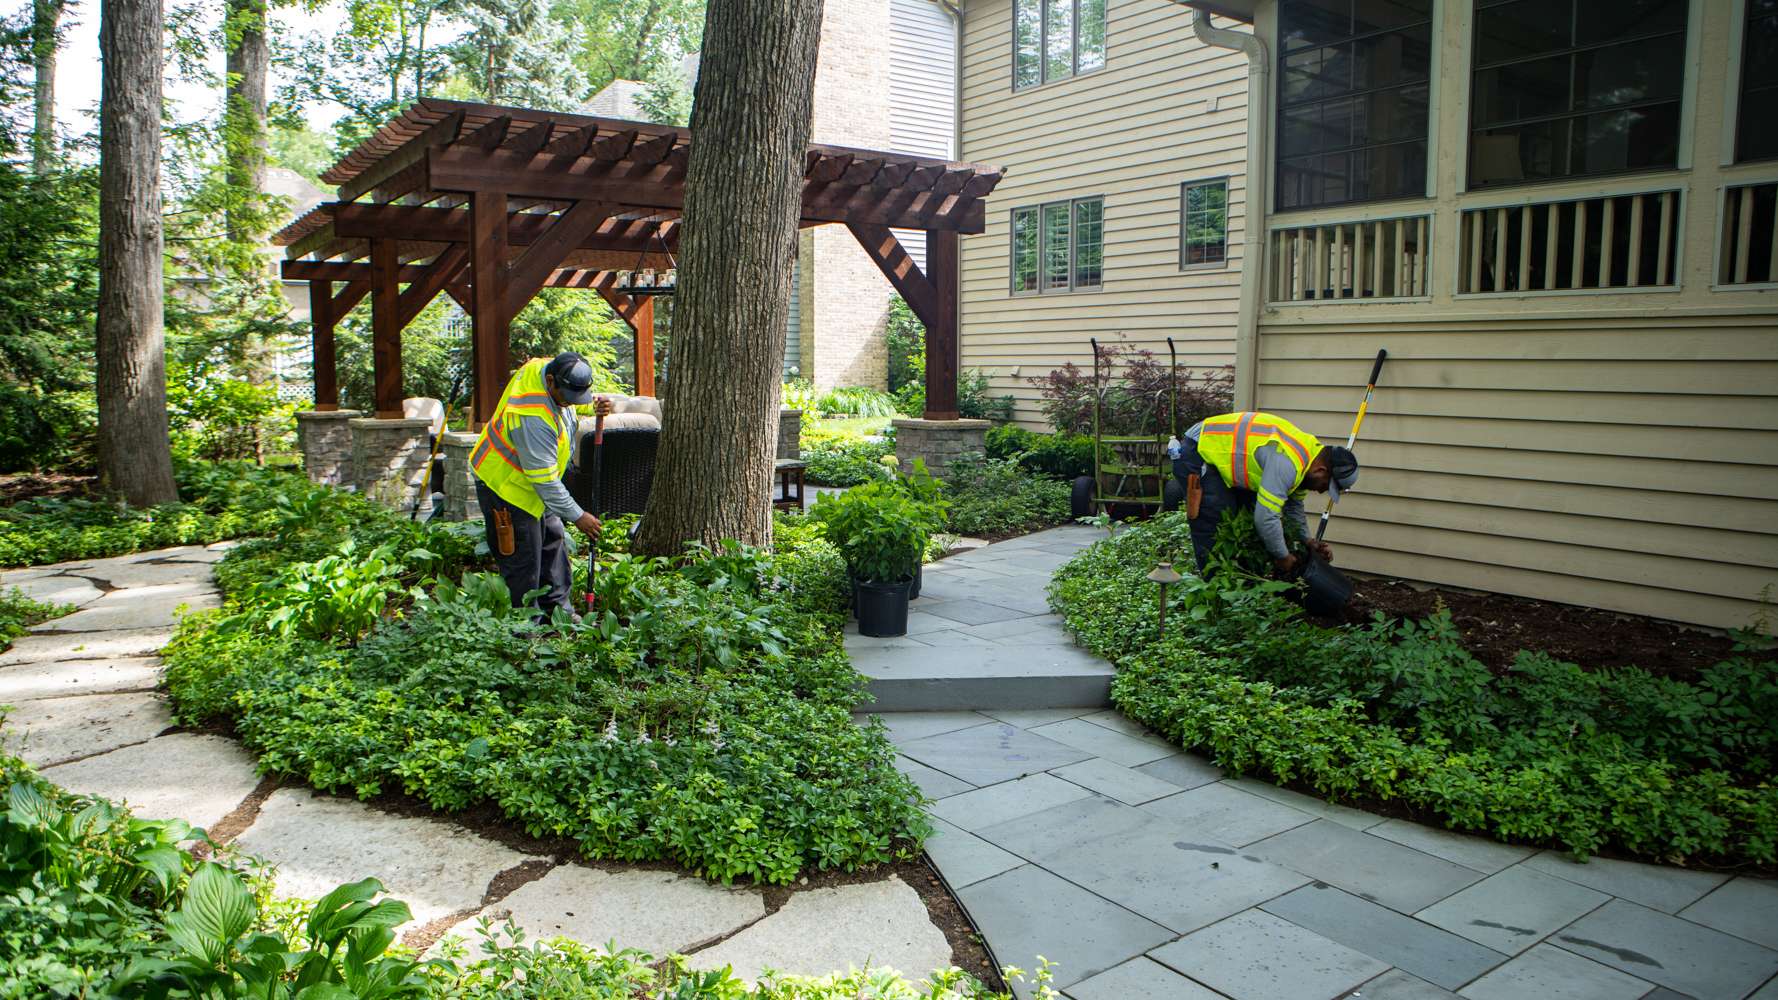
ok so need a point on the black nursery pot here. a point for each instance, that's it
(1326, 590)
(914, 591)
(882, 608)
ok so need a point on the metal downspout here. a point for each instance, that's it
(956, 14)
(1258, 173)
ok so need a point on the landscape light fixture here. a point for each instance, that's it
(1164, 574)
(659, 281)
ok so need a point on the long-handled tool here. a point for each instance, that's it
(1326, 590)
(437, 446)
(592, 559)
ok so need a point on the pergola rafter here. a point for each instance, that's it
(491, 204)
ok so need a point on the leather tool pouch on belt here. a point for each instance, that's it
(1194, 495)
(503, 532)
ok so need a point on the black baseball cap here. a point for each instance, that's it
(574, 377)
(1343, 465)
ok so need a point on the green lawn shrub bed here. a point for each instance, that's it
(1544, 752)
(218, 501)
(97, 903)
(701, 717)
(997, 498)
(18, 613)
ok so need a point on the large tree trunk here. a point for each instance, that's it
(244, 114)
(135, 459)
(743, 196)
(46, 18)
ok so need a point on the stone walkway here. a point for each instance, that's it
(85, 711)
(1072, 833)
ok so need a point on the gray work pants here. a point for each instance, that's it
(539, 554)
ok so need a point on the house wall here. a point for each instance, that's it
(1164, 110)
(1610, 448)
(922, 87)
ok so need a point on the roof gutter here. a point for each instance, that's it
(1254, 225)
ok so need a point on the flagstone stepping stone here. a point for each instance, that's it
(882, 924)
(137, 607)
(97, 645)
(658, 912)
(55, 589)
(199, 779)
(123, 573)
(53, 730)
(317, 843)
(60, 678)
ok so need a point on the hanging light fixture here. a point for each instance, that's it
(643, 280)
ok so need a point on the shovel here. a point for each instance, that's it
(592, 559)
(1327, 591)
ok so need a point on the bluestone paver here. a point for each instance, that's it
(1514, 909)
(1014, 595)
(1182, 769)
(1432, 954)
(1381, 871)
(1664, 949)
(1744, 907)
(1256, 956)
(1344, 815)
(59, 678)
(1031, 912)
(879, 924)
(990, 753)
(1483, 855)
(1140, 979)
(965, 858)
(905, 727)
(198, 779)
(951, 637)
(1099, 741)
(1019, 626)
(1657, 886)
(933, 784)
(1031, 718)
(1547, 973)
(1063, 828)
(1224, 814)
(1767, 992)
(973, 612)
(1006, 801)
(1127, 785)
(1398, 985)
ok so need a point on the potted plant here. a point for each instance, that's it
(928, 497)
(882, 534)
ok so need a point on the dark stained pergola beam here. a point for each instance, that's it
(528, 273)
(892, 259)
(444, 225)
(441, 133)
(358, 272)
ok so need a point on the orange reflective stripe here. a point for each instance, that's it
(1240, 457)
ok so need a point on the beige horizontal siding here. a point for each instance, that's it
(1626, 463)
(1130, 133)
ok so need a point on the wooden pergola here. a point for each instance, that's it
(490, 204)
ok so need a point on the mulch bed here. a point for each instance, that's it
(1495, 627)
(32, 485)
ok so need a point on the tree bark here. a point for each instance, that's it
(46, 18)
(249, 59)
(743, 196)
(135, 459)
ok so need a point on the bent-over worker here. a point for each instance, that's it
(1268, 462)
(519, 462)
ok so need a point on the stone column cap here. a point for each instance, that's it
(328, 414)
(785, 411)
(962, 424)
(376, 423)
(461, 439)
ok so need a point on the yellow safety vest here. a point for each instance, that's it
(1231, 444)
(495, 459)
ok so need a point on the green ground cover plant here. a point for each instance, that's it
(18, 613)
(1544, 752)
(95, 902)
(846, 462)
(701, 716)
(1059, 456)
(856, 401)
(999, 498)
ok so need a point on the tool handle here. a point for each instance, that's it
(1377, 369)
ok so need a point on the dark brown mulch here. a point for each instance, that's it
(32, 485)
(1495, 627)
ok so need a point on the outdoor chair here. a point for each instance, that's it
(626, 468)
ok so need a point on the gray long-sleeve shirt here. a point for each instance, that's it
(1277, 477)
(536, 444)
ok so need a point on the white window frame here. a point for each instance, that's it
(1184, 229)
(1013, 249)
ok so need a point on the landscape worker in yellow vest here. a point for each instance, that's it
(519, 462)
(1266, 462)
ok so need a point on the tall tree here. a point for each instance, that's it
(743, 196)
(633, 39)
(135, 459)
(511, 53)
(243, 116)
(46, 26)
(379, 61)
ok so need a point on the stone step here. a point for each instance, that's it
(905, 675)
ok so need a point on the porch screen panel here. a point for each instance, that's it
(1756, 136)
(1352, 100)
(1575, 88)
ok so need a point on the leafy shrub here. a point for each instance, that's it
(856, 401)
(998, 498)
(214, 415)
(18, 613)
(1059, 456)
(847, 463)
(973, 399)
(879, 528)
(1136, 403)
(799, 394)
(1545, 752)
(906, 337)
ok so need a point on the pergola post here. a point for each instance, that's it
(385, 325)
(321, 322)
(643, 325)
(491, 348)
(941, 330)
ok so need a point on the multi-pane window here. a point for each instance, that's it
(1575, 88)
(1352, 100)
(1056, 39)
(1203, 223)
(1755, 136)
(1058, 246)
